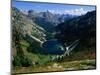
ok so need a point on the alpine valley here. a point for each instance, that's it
(46, 41)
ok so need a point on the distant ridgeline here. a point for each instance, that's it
(48, 20)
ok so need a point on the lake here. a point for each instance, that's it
(53, 47)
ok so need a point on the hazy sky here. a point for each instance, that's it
(54, 8)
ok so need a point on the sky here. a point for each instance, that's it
(54, 8)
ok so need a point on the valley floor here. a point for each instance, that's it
(59, 66)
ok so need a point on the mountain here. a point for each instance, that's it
(48, 20)
(82, 27)
(25, 26)
(65, 17)
(26, 37)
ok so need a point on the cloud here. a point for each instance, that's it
(80, 11)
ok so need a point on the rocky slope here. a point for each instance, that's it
(23, 29)
(25, 26)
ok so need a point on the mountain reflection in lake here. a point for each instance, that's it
(53, 47)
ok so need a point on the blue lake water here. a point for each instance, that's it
(53, 47)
